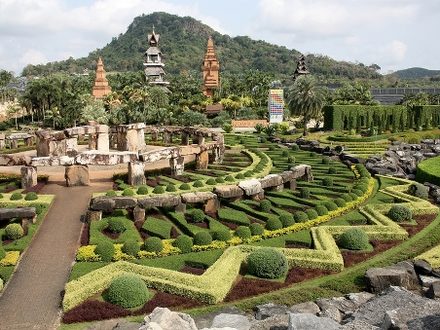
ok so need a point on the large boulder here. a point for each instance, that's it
(19, 212)
(306, 321)
(160, 201)
(401, 274)
(228, 191)
(77, 175)
(271, 180)
(102, 203)
(164, 319)
(197, 197)
(251, 187)
(306, 307)
(235, 321)
(268, 310)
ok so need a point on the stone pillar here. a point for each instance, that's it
(42, 147)
(14, 143)
(177, 165)
(77, 175)
(181, 207)
(28, 141)
(154, 135)
(138, 214)
(200, 140)
(141, 139)
(70, 147)
(28, 177)
(136, 174)
(291, 184)
(202, 160)
(185, 139)
(211, 205)
(132, 140)
(93, 141)
(2, 141)
(103, 141)
(167, 137)
(215, 156)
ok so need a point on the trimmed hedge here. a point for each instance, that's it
(128, 192)
(31, 196)
(115, 225)
(128, 291)
(142, 190)
(223, 235)
(197, 215)
(273, 224)
(265, 205)
(256, 228)
(429, 171)
(300, 216)
(243, 232)
(16, 196)
(158, 190)
(267, 263)
(131, 247)
(287, 220)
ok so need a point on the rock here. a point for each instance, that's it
(138, 214)
(136, 173)
(359, 325)
(287, 176)
(306, 321)
(102, 203)
(205, 320)
(302, 171)
(197, 197)
(251, 187)
(306, 307)
(434, 290)
(19, 212)
(28, 177)
(271, 180)
(425, 317)
(123, 202)
(267, 310)
(422, 267)
(276, 322)
(359, 298)
(236, 321)
(167, 320)
(77, 175)
(401, 274)
(229, 191)
(329, 309)
(159, 201)
(428, 280)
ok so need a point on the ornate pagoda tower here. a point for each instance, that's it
(210, 70)
(301, 68)
(101, 87)
(153, 65)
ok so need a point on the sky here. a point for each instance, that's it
(395, 34)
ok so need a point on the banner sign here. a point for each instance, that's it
(276, 105)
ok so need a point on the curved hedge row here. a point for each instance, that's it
(429, 171)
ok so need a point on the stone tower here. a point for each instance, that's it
(101, 87)
(154, 71)
(301, 68)
(210, 70)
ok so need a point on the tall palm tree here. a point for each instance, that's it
(305, 99)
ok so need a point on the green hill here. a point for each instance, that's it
(416, 73)
(183, 43)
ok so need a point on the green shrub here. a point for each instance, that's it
(184, 243)
(229, 178)
(340, 202)
(354, 239)
(265, 205)
(330, 205)
(243, 232)
(400, 213)
(311, 214)
(332, 170)
(219, 180)
(294, 147)
(304, 193)
(127, 291)
(325, 161)
(198, 184)
(2, 251)
(227, 128)
(14, 231)
(248, 174)
(267, 263)
(300, 216)
(158, 190)
(111, 193)
(256, 228)
(128, 192)
(202, 238)
(153, 244)
(39, 208)
(1, 196)
(142, 190)
(105, 250)
(239, 176)
(418, 190)
(211, 182)
(184, 186)
(263, 139)
(197, 215)
(286, 220)
(273, 224)
(353, 196)
(347, 198)
(284, 153)
(31, 196)
(321, 210)
(291, 160)
(115, 225)
(357, 192)
(272, 148)
(362, 187)
(222, 235)
(131, 247)
(16, 196)
(327, 182)
(170, 187)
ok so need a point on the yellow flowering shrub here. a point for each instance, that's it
(10, 259)
(87, 253)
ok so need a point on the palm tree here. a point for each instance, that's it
(305, 99)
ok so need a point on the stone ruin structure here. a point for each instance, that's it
(11, 141)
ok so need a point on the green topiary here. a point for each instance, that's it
(400, 213)
(39, 208)
(294, 147)
(184, 243)
(202, 238)
(332, 170)
(2, 251)
(340, 202)
(211, 182)
(229, 178)
(357, 192)
(354, 239)
(184, 186)
(267, 263)
(219, 180)
(131, 247)
(300, 216)
(330, 205)
(198, 184)
(142, 190)
(128, 192)
(127, 291)
(286, 220)
(222, 235)
(153, 244)
(362, 187)
(248, 174)
(243, 232)
(1, 196)
(115, 225)
(353, 196)
(197, 215)
(418, 190)
(158, 190)
(273, 224)
(111, 193)
(256, 228)
(291, 160)
(170, 187)
(14, 231)
(284, 153)
(16, 196)
(327, 182)
(311, 214)
(31, 196)
(347, 197)
(321, 210)
(265, 205)
(239, 176)
(105, 250)
(325, 161)
(304, 193)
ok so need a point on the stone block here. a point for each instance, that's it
(251, 187)
(123, 202)
(138, 214)
(19, 212)
(271, 180)
(103, 142)
(93, 216)
(235, 321)
(136, 173)
(402, 274)
(302, 171)
(228, 191)
(177, 165)
(202, 160)
(197, 197)
(28, 177)
(102, 203)
(211, 205)
(77, 175)
(160, 201)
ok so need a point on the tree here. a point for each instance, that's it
(94, 111)
(305, 99)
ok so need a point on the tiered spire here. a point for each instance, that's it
(210, 69)
(301, 68)
(153, 65)
(101, 87)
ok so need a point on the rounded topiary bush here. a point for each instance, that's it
(400, 213)
(153, 244)
(353, 196)
(115, 225)
(265, 205)
(330, 205)
(325, 161)
(158, 190)
(243, 232)
(128, 291)
(184, 186)
(131, 247)
(267, 263)
(347, 197)
(304, 193)
(284, 153)
(340, 202)
(2, 252)
(327, 182)
(170, 187)
(219, 180)
(184, 243)
(31, 196)
(291, 160)
(198, 184)
(418, 190)
(202, 238)
(332, 170)
(142, 190)
(321, 209)
(128, 192)
(197, 215)
(294, 147)
(273, 224)
(311, 214)
(229, 178)
(248, 174)
(300, 216)
(357, 192)
(105, 250)
(362, 187)
(256, 228)
(211, 182)
(111, 193)
(16, 196)
(222, 235)
(240, 176)
(354, 239)
(286, 220)
(14, 231)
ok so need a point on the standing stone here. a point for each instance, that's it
(93, 141)
(177, 165)
(202, 160)
(93, 216)
(141, 139)
(212, 205)
(2, 140)
(185, 139)
(28, 177)
(138, 214)
(132, 140)
(136, 174)
(103, 142)
(77, 175)
(167, 137)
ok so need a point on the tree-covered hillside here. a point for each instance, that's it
(183, 43)
(416, 73)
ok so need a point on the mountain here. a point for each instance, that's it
(416, 73)
(183, 44)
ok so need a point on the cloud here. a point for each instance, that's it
(32, 56)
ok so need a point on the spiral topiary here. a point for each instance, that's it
(142, 190)
(14, 231)
(197, 215)
(273, 224)
(202, 238)
(222, 235)
(127, 291)
(105, 250)
(31, 196)
(300, 216)
(267, 263)
(400, 213)
(184, 243)
(265, 205)
(286, 220)
(153, 244)
(243, 232)
(354, 239)
(256, 228)
(131, 247)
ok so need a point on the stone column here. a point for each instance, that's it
(93, 141)
(28, 141)
(167, 137)
(141, 139)
(77, 175)
(215, 156)
(185, 139)
(136, 174)
(42, 147)
(202, 160)
(14, 143)
(211, 206)
(103, 141)
(138, 214)
(154, 135)
(2, 141)
(177, 165)
(291, 184)
(132, 140)
(200, 140)
(28, 177)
